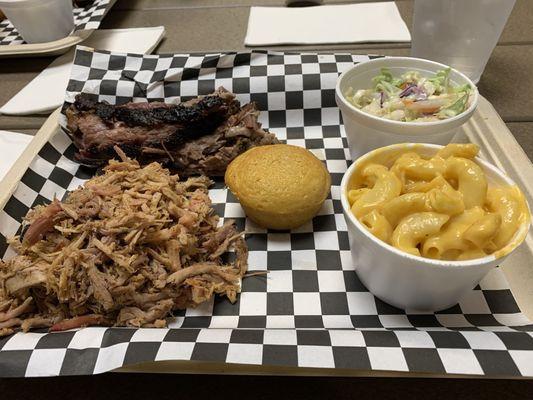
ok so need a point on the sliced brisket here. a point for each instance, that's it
(200, 136)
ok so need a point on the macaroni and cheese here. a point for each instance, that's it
(439, 207)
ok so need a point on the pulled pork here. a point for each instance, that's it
(126, 249)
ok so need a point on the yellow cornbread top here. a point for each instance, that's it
(278, 178)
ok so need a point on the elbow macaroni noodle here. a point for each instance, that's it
(439, 207)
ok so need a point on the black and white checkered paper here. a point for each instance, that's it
(85, 18)
(311, 310)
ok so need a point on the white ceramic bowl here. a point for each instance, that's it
(410, 282)
(366, 132)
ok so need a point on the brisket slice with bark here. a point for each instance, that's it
(200, 136)
(96, 127)
(211, 154)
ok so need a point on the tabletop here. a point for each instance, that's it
(196, 25)
(212, 25)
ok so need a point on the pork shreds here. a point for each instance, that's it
(126, 249)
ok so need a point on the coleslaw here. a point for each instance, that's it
(412, 97)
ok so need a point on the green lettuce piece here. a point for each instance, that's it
(456, 108)
(466, 88)
(441, 80)
(387, 88)
(385, 77)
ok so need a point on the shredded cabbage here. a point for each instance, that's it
(412, 97)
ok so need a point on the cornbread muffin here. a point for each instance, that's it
(279, 186)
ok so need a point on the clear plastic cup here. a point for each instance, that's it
(40, 21)
(459, 33)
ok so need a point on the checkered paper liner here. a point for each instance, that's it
(311, 310)
(85, 18)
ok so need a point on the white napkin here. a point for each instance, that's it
(367, 22)
(12, 145)
(47, 91)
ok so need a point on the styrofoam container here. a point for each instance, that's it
(410, 282)
(40, 21)
(366, 132)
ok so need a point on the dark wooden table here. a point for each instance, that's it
(227, 387)
(213, 25)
